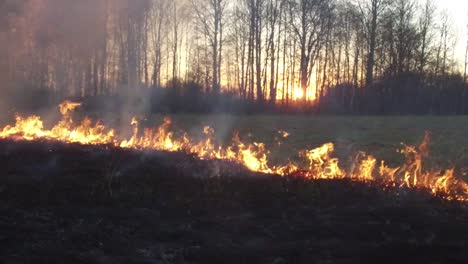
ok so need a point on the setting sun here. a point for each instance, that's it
(298, 93)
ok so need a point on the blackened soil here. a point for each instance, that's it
(76, 204)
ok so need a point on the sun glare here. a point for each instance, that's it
(298, 93)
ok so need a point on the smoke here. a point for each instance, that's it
(10, 10)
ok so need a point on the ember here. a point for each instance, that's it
(255, 156)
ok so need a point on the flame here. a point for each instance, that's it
(67, 107)
(283, 134)
(32, 128)
(318, 163)
(321, 165)
(365, 167)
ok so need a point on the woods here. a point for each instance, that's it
(342, 56)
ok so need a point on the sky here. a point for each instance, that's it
(458, 13)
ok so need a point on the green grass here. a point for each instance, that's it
(379, 136)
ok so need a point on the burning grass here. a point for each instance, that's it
(318, 163)
(79, 193)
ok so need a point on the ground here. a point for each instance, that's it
(76, 204)
(379, 136)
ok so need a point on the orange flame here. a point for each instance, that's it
(319, 162)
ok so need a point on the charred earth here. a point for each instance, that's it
(68, 203)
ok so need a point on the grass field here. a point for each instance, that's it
(72, 203)
(379, 136)
(376, 135)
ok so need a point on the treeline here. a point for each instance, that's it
(330, 56)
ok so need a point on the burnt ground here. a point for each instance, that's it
(79, 204)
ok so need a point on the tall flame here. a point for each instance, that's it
(318, 163)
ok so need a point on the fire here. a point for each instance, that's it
(32, 128)
(365, 167)
(321, 165)
(318, 163)
(283, 134)
(67, 107)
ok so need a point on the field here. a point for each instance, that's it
(67, 203)
(379, 136)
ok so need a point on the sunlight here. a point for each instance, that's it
(298, 94)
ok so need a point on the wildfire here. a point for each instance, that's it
(318, 163)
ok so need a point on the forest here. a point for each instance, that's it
(245, 56)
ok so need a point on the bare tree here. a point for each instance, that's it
(241, 36)
(274, 13)
(159, 19)
(210, 14)
(308, 24)
(443, 47)
(405, 33)
(371, 10)
(466, 59)
(426, 23)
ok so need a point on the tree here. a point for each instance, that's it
(241, 37)
(308, 23)
(406, 39)
(180, 16)
(444, 44)
(371, 10)
(159, 18)
(466, 58)
(210, 15)
(426, 23)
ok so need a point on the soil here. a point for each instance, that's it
(68, 203)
